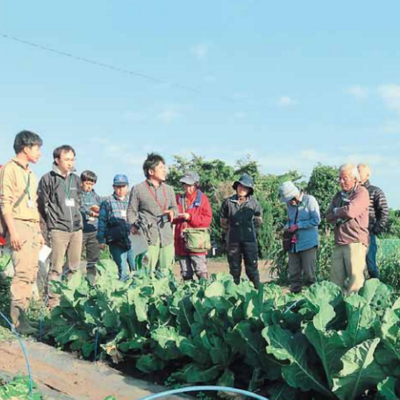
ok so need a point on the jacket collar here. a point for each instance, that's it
(57, 171)
(24, 167)
(367, 184)
(196, 203)
(235, 199)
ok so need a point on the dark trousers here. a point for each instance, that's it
(248, 251)
(371, 257)
(91, 247)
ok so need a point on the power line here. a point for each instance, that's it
(110, 66)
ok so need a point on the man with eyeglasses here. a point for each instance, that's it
(59, 200)
(349, 212)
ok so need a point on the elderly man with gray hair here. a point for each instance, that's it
(378, 217)
(349, 213)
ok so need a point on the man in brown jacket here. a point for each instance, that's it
(18, 204)
(349, 211)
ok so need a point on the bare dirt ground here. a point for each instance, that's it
(61, 376)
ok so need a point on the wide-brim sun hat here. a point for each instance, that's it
(288, 191)
(246, 181)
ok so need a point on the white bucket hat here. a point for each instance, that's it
(287, 191)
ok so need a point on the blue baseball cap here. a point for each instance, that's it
(120, 180)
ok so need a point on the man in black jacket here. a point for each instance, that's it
(378, 216)
(59, 202)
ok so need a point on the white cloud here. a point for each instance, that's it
(200, 51)
(391, 96)
(358, 92)
(286, 101)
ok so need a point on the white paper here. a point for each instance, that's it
(70, 202)
(44, 253)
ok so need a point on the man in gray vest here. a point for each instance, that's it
(151, 210)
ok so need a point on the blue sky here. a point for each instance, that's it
(290, 83)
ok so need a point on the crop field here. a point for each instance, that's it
(313, 345)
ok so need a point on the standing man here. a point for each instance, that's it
(378, 217)
(18, 204)
(90, 208)
(114, 229)
(349, 213)
(59, 205)
(152, 208)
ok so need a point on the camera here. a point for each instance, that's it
(164, 219)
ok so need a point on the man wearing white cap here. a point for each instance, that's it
(303, 220)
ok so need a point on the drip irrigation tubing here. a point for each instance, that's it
(13, 330)
(203, 389)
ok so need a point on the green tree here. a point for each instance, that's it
(216, 179)
(323, 185)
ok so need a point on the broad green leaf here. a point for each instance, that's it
(362, 321)
(390, 333)
(282, 391)
(193, 373)
(227, 379)
(193, 348)
(324, 292)
(387, 389)
(360, 371)
(299, 373)
(149, 363)
(141, 308)
(219, 350)
(327, 344)
(76, 280)
(216, 289)
(377, 294)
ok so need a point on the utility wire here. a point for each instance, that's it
(108, 66)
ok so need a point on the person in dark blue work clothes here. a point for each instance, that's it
(241, 215)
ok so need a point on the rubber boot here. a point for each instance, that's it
(21, 322)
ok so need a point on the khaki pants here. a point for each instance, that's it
(64, 244)
(348, 264)
(26, 264)
(302, 265)
(160, 259)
